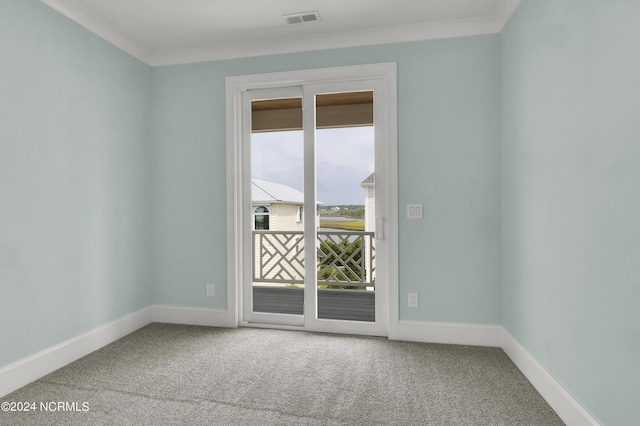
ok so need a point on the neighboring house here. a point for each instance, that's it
(369, 203)
(369, 185)
(276, 207)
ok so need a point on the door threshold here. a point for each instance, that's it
(271, 326)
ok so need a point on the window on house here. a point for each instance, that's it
(261, 221)
(299, 213)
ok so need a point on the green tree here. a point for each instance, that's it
(347, 268)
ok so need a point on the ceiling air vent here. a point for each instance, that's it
(302, 17)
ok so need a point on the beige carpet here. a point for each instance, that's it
(184, 375)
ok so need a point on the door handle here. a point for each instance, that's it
(380, 228)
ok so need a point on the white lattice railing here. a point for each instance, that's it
(345, 258)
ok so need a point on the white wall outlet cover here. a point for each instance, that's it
(210, 290)
(413, 300)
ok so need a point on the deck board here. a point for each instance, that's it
(351, 305)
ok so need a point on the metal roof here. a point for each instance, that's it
(264, 191)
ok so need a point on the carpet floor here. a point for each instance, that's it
(166, 374)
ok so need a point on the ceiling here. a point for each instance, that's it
(164, 32)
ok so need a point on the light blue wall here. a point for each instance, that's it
(449, 160)
(74, 114)
(571, 165)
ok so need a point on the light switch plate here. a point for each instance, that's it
(414, 211)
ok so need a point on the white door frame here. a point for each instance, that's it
(384, 75)
(246, 211)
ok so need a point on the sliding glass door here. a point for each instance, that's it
(313, 216)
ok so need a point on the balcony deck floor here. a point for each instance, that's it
(351, 305)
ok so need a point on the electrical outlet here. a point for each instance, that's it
(413, 300)
(210, 290)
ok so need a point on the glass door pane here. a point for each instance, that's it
(346, 189)
(277, 206)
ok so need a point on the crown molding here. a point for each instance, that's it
(99, 26)
(378, 36)
(503, 12)
(386, 35)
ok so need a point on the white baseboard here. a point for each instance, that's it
(191, 316)
(450, 333)
(561, 400)
(22, 372)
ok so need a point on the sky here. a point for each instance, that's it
(344, 158)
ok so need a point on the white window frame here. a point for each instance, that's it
(268, 213)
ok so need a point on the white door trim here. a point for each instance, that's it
(235, 86)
